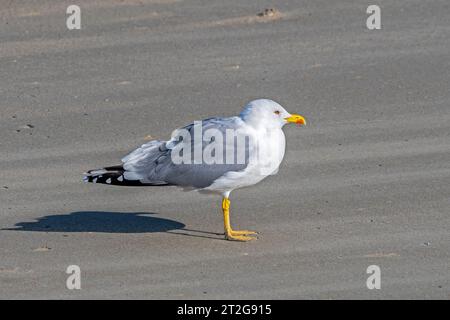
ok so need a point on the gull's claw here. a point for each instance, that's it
(239, 238)
(243, 232)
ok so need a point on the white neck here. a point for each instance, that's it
(259, 122)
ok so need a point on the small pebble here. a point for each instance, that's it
(267, 13)
(42, 249)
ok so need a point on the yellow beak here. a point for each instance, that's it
(296, 118)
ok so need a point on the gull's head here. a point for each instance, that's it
(268, 113)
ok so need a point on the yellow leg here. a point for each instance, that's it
(231, 234)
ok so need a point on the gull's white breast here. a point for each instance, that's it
(265, 160)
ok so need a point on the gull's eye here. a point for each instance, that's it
(277, 112)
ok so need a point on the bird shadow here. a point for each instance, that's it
(108, 222)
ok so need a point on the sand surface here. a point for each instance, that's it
(366, 183)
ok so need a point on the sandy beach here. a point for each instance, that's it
(367, 182)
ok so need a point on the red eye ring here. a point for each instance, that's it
(277, 112)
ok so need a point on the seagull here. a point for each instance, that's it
(215, 155)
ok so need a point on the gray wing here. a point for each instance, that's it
(153, 162)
